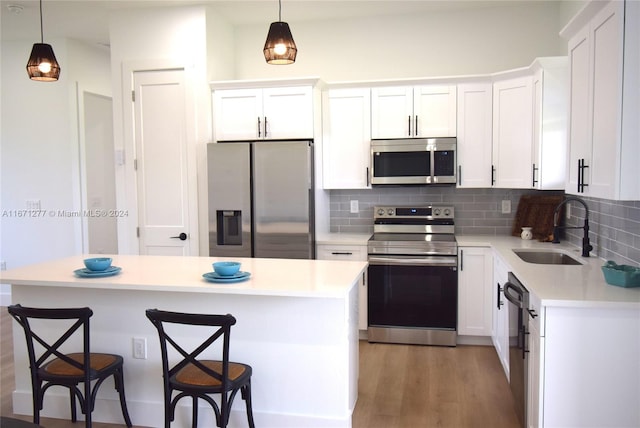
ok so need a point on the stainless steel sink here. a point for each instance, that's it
(547, 257)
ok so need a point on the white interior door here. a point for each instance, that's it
(167, 225)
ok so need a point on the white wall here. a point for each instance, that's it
(475, 41)
(39, 152)
(147, 39)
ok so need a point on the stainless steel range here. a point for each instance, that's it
(413, 276)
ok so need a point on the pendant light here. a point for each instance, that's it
(42, 64)
(280, 47)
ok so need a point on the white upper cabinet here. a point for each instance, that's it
(604, 76)
(474, 134)
(346, 135)
(276, 113)
(413, 112)
(513, 133)
(550, 123)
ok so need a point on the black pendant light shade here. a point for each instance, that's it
(42, 64)
(280, 47)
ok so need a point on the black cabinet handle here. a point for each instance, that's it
(533, 176)
(416, 126)
(493, 175)
(461, 260)
(342, 253)
(259, 127)
(182, 237)
(265, 127)
(409, 124)
(532, 313)
(499, 302)
(459, 175)
(368, 183)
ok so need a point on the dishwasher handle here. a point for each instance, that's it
(514, 294)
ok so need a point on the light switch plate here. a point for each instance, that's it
(354, 207)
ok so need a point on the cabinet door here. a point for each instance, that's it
(550, 124)
(392, 112)
(536, 364)
(288, 112)
(606, 53)
(475, 291)
(237, 113)
(434, 111)
(474, 124)
(579, 117)
(500, 331)
(350, 252)
(346, 137)
(512, 133)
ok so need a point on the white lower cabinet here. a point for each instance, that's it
(500, 330)
(536, 368)
(474, 291)
(584, 369)
(349, 252)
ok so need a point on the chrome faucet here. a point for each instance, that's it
(586, 246)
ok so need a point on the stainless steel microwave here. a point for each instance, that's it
(413, 161)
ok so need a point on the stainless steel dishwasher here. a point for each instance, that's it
(518, 297)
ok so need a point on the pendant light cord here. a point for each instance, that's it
(41, 31)
(279, 10)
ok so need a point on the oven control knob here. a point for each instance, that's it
(380, 211)
(447, 212)
(390, 211)
(436, 212)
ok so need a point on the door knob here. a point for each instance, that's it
(182, 237)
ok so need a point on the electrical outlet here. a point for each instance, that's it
(506, 206)
(354, 207)
(3, 265)
(140, 348)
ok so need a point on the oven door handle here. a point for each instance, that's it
(414, 261)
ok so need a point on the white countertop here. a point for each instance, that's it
(558, 285)
(269, 277)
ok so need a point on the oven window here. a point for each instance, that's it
(444, 162)
(413, 296)
(402, 164)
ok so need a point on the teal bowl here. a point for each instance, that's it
(226, 268)
(98, 264)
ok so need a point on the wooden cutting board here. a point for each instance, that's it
(536, 211)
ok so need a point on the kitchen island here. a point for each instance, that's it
(296, 326)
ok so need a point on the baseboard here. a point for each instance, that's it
(150, 414)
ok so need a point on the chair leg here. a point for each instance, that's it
(119, 382)
(194, 411)
(36, 394)
(72, 403)
(246, 396)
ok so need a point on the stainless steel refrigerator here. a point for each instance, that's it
(261, 199)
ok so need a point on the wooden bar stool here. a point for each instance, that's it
(50, 366)
(194, 377)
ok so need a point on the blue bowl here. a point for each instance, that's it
(98, 263)
(226, 268)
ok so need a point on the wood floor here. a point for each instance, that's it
(401, 386)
